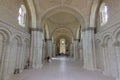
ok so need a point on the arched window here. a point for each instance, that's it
(22, 16)
(103, 14)
(62, 46)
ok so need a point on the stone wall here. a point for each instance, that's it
(13, 50)
(14, 40)
(107, 42)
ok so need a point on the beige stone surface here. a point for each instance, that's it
(47, 21)
(61, 69)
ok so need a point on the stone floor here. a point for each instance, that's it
(60, 69)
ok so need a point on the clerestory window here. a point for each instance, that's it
(22, 16)
(103, 14)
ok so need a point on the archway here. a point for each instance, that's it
(62, 33)
(59, 22)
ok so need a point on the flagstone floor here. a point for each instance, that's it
(61, 69)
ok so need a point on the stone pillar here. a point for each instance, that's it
(39, 48)
(81, 53)
(44, 51)
(89, 48)
(49, 47)
(117, 49)
(36, 48)
(71, 50)
(32, 48)
(54, 50)
(76, 49)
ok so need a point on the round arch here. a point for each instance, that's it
(66, 29)
(6, 34)
(63, 36)
(23, 7)
(19, 38)
(105, 38)
(78, 33)
(67, 9)
(95, 5)
(116, 35)
(33, 12)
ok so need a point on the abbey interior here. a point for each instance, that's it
(59, 39)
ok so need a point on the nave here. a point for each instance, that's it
(61, 68)
(88, 31)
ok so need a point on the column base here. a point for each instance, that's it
(89, 67)
(21, 70)
(37, 66)
(16, 71)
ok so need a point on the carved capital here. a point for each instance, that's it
(77, 40)
(48, 39)
(87, 29)
(36, 29)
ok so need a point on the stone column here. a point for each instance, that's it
(49, 47)
(71, 50)
(36, 48)
(76, 49)
(81, 53)
(117, 49)
(39, 48)
(89, 48)
(53, 49)
(44, 51)
(32, 47)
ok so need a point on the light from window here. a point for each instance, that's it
(22, 16)
(63, 42)
(62, 46)
(103, 14)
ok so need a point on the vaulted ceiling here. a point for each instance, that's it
(58, 16)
